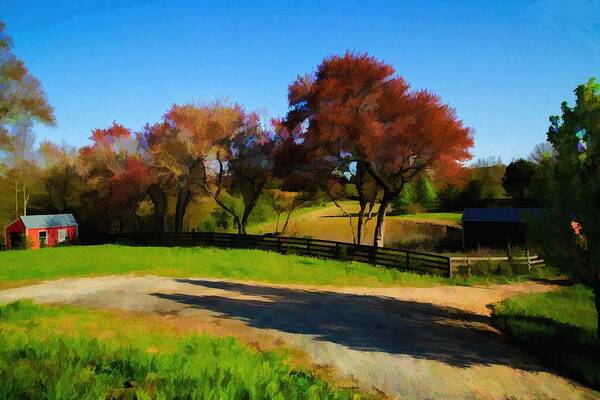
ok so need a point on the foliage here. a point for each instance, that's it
(517, 178)
(184, 149)
(563, 321)
(425, 192)
(357, 108)
(489, 172)
(22, 97)
(497, 267)
(542, 152)
(570, 231)
(401, 204)
(452, 198)
(79, 363)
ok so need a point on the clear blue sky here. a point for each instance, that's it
(504, 65)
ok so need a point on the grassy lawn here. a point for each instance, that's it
(72, 353)
(331, 224)
(560, 326)
(453, 217)
(26, 266)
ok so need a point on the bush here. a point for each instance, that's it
(502, 268)
(481, 268)
(492, 267)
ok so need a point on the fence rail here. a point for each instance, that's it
(391, 258)
(529, 261)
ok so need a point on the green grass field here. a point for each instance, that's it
(560, 326)
(25, 266)
(453, 217)
(22, 267)
(72, 353)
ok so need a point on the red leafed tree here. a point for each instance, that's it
(355, 106)
(116, 173)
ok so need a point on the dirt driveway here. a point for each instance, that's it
(432, 343)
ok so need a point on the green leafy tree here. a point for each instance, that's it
(401, 204)
(569, 234)
(471, 194)
(489, 171)
(517, 178)
(425, 192)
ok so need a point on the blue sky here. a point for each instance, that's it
(505, 66)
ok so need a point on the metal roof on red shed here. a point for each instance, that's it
(48, 221)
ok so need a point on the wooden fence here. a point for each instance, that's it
(467, 262)
(387, 257)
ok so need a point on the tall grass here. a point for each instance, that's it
(39, 361)
(560, 326)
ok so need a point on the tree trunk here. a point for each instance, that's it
(25, 200)
(249, 207)
(138, 221)
(359, 224)
(16, 200)
(183, 200)
(159, 200)
(378, 237)
(287, 220)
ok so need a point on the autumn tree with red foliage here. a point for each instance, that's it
(117, 175)
(355, 107)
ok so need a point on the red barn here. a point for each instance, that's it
(42, 230)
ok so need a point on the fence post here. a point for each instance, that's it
(337, 251)
(407, 261)
(193, 237)
(528, 259)
(279, 245)
(308, 246)
(449, 267)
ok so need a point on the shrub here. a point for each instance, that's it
(502, 268)
(401, 203)
(481, 268)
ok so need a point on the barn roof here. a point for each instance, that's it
(499, 214)
(48, 221)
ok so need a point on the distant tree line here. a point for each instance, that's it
(354, 130)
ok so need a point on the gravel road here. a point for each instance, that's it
(410, 343)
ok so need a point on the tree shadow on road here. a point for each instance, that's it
(364, 322)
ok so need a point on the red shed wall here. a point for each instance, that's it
(51, 235)
(16, 227)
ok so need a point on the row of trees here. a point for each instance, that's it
(352, 123)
